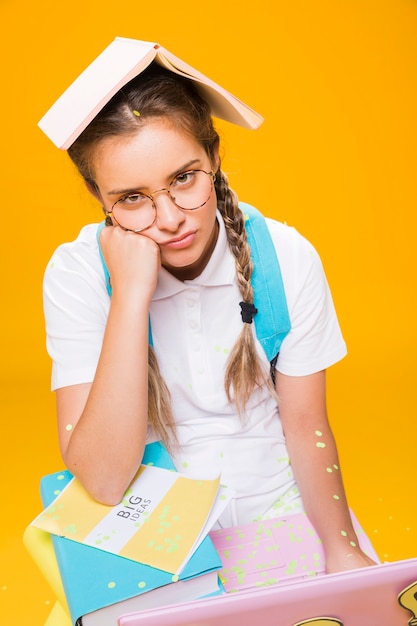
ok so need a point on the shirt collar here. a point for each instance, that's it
(220, 270)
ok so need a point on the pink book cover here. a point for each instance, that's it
(122, 60)
(274, 551)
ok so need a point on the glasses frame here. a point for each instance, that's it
(151, 197)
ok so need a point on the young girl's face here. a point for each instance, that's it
(148, 162)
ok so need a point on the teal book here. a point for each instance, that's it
(101, 586)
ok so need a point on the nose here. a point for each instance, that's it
(168, 215)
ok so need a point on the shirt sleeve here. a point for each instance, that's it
(76, 306)
(315, 341)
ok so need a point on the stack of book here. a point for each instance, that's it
(165, 561)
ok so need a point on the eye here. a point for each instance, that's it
(185, 179)
(132, 201)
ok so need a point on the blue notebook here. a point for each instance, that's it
(100, 586)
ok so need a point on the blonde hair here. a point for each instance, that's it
(160, 93)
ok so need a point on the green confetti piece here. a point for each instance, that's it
(72, 529)
(292, 566)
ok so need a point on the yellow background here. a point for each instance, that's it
(336, 157)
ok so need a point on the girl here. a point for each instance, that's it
(176, 252)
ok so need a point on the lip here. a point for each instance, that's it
(178, 243)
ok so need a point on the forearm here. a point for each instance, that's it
(316, 467)
(105, 445)
(315, 463)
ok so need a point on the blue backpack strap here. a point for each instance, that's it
(103, 262)
(107, 275)
(272, 321)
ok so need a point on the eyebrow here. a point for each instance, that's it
(183, 168)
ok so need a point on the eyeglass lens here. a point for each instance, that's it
(188, 190)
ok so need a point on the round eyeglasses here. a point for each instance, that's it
(188, 190)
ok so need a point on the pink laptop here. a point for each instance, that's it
(363, 597)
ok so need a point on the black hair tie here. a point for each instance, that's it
(248, 311)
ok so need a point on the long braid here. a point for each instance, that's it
(244, 370)
(160, 415)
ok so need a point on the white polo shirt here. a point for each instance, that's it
(194, 326)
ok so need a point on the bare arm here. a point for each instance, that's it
(314, 459)
(102, 426)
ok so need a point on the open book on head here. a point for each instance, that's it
(120, 62)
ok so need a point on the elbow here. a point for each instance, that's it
(104, 481)
(107, 499)
(103, 488)
(107, 493)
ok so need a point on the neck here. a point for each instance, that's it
(189, 272)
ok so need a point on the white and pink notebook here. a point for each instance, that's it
(268, 552)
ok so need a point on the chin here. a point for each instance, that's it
(179, 262)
